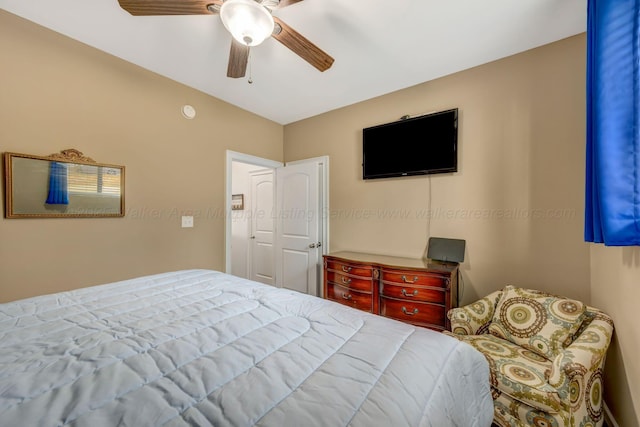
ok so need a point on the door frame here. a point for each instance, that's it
(232, 156)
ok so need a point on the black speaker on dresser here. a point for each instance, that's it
(448, 250)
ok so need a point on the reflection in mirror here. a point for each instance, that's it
(62, 185)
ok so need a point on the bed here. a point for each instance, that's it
(201, 347)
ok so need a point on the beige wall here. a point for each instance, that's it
(57, 94)
(615, 288)
(517, 199)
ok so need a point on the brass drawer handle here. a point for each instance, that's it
(347, 296)
(404, 310)
(346, 280)
(404, 279)
(346, 269)
(413, 294)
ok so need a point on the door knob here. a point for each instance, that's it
(312, 245)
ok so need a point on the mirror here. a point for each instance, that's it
(63, 185)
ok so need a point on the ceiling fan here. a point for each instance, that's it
(249, 22)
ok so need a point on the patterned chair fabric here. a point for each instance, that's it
(546, 355)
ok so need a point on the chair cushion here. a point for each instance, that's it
(517, 371)
(540, 322)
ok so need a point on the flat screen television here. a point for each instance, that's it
(419, 145)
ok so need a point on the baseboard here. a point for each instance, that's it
(608, 417)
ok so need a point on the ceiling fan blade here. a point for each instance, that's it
(302, 47)
(238, 58)
(167, 7)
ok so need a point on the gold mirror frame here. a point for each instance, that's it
(28, 178)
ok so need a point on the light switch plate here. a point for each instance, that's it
(187, 221)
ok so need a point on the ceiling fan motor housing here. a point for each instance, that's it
(271, 4)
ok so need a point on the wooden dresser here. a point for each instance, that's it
(412, 290)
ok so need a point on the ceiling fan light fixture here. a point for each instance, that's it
(249, 22)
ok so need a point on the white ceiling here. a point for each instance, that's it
(379, 46)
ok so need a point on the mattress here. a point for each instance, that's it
(201, 347)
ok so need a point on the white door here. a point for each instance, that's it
(261, 268)
(298, 227)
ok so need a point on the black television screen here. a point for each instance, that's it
(420, 145)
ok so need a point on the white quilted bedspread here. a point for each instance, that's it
(200, 347)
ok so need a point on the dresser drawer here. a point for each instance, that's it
(413, 293)
(421, 313)
(414, 278)
(353, 269)
(357, 283)
(350, 297)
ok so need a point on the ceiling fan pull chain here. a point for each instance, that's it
(250, 81)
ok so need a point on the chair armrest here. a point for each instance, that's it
(474, 319)
(584, 356)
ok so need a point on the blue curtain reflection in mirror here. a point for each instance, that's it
(58, 188)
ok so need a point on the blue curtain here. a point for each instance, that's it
(612, 203)
(58, 190)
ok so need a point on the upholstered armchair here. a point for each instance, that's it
(546, 355)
